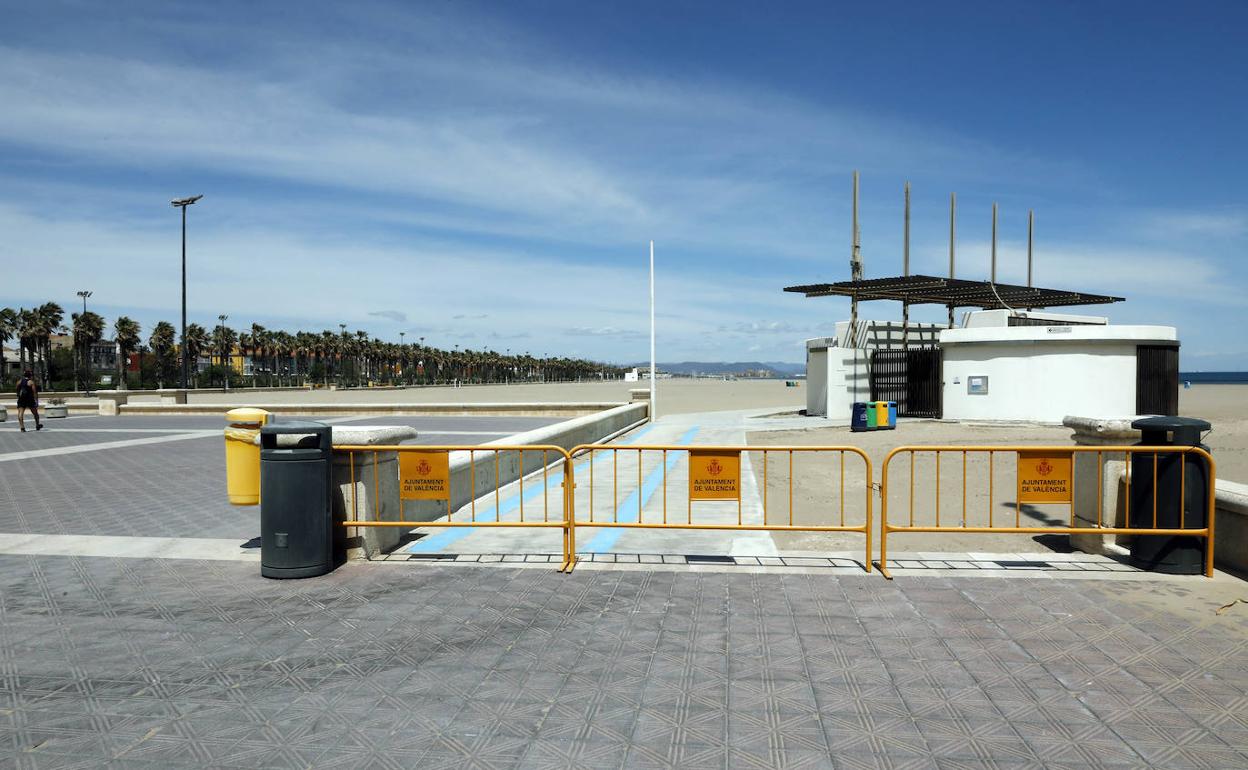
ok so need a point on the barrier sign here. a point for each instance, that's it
(424, 476)
(1044, 477)
(714, 475)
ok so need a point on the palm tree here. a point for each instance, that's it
(8, 328)
(126, 333)
(331, 344)
(284, 346)
(49, 316)
(25, 336)
(259, 338)
(88, 330)
(223, 339)
(195, 342)
(163, 341)
(305, 346)
(247, 350)
(359, 350)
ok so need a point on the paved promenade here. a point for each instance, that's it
(166, 663)
(138, 658)
(157, 476)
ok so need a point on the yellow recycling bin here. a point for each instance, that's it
(242, 455)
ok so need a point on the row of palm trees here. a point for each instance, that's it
(34, 329)
(277, 357)
(354, 358)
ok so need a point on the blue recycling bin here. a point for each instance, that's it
(858, 420)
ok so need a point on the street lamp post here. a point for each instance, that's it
(182, 203)
(84, 295)
(402, 358)
(225, 355)
(342, 356)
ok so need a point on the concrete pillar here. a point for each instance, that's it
(1100, 431)
(171, 396)
(111, 401)
(374, 494)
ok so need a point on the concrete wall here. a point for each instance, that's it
(816, 381)
(473, 477)
(1231, 527)
(1042, 374)
(1001, 318)
(535, 409)
(849, 380)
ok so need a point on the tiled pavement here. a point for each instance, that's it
(151, 490)
(162, 663)
(158, 490)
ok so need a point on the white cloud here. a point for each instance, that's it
(1216, 224)
(602, 331)
(390, 315)
(778, 327)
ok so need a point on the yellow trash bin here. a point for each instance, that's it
(242, 455)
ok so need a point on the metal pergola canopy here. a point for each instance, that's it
(953, 292)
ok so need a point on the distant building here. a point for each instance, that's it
(12, 367)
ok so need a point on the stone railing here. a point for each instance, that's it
(471, 476)
(111, 401)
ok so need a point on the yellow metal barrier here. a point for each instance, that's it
(431, 473)
(1037, 482)
(715, 477)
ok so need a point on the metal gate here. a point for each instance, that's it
(1157, 379)
(911, 378)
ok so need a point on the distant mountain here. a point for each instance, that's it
(717, 368)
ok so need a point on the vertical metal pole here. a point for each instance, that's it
(905, 260)
(1031, 229)
(185, 362)
(654, 396)
(855, 262)
(953, 237)
(855, 266)
(905, 243)
(994, 243)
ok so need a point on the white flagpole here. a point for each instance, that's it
(654, 401)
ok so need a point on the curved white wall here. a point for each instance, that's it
(1041, 373)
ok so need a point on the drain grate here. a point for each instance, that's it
(1007, 564)
(708, 559)
(430, 556)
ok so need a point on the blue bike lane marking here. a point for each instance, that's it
(626, 512)
(439, 541)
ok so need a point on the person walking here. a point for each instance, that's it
(28, 398)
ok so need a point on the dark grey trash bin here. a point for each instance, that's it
(1171, 554)
(297, 534)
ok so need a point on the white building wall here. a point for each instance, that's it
(816, 381)
(844, 362)
(849, 380)
(1042, 374)
(1001, 318)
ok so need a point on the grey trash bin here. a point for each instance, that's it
(1182, 487)
(297, 534)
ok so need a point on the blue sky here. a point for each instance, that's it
(489, 175)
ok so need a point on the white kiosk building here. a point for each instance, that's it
(1002, 363)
